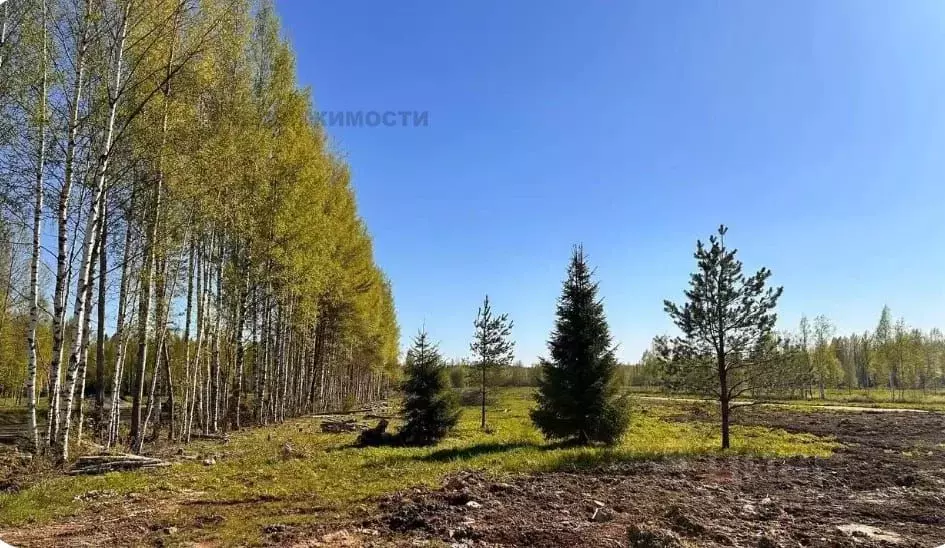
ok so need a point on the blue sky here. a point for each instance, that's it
(815, 130)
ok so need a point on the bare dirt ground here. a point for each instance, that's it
(885, 487)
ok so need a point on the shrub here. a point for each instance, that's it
(473, 396)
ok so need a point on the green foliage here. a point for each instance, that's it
(882, 357)
(491, 346)
(577, 396)
(725, 318)
(430, 406)
(462, 375)
(457, 374)
(726, 323)
(473, 396)
(825, 360)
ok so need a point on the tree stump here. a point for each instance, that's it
(375, 436)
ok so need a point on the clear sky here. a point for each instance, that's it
(814, 129)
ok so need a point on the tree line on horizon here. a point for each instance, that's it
(176, 228)
(813, 360)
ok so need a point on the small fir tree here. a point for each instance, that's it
(577, 396)
(430, 406)
(491, 346)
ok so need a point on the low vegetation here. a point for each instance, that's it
(253, 483)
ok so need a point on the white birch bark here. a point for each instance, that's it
(62, 256)
(215, 356)
(185, 406)
(162, 312)
(84, 353)
(114, 414)
(34, 250)
(91, 236)
(3, 29)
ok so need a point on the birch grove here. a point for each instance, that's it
(185, 253)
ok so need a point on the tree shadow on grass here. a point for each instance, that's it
(472, 451)
(606, 458)
(450, 454)
(468, 452)
(490, 448)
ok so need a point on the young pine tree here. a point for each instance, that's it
(577, 395)
(725, 318)
(491, 345)
(430, 406)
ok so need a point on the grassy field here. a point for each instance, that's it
(916, 399)
(251, 485)
(875, 398)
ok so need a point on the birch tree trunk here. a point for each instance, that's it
(185, 405)
(162, 356)
(161, 329)
(201, 320)
(34, 249)
(83, 293)
(3, 30)
(100, 328)
(267, 352)
(62, 256)
(115, 412)
(215, 360)
(170, 391)
(144, 311)
(92, 235)
(84, 352)
(238, 340)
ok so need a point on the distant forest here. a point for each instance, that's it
(809, 361)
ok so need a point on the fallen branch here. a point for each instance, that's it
(94, 459)
(102, 464)
(340, 426)
(200, 436)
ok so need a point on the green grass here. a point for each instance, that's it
(933, 400)
(884, 398)
(11, 402)
(876, 398)
(251, 486)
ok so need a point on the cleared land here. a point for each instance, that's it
(812, 477)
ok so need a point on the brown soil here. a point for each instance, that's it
(884, 487)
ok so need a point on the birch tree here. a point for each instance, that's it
(183, 164)
(41, 121)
